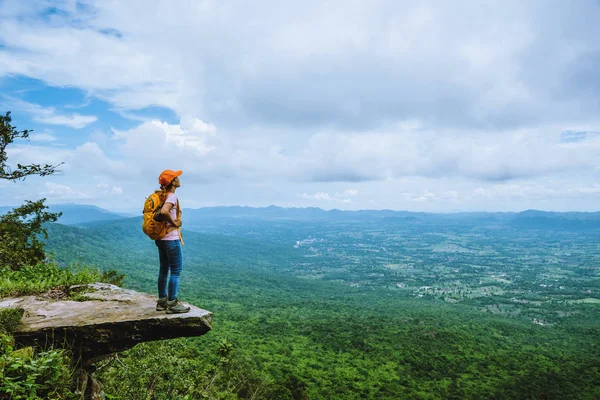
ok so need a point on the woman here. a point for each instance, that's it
(169, 247)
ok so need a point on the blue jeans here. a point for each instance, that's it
(169, 253)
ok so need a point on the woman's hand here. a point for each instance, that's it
(178, 223)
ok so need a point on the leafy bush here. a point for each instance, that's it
(25, 374)
(9, 319)
(175, 369)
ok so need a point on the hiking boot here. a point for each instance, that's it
(176, 307)
(161, 304)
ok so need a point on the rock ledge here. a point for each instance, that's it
(112, 320)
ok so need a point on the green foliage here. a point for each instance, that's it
(19, 230)
(9, 319)
(27, 374)
(177, 369)
(279, 336)
(168, 370)
(8, 134)
(42, 277)
(112, 276)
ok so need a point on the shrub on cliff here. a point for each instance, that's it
(27, 374)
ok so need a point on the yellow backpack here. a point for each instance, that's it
(153, 224)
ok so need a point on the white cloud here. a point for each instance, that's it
(34, 154)
(341, 63)
(158, 145)
(42, 137)
(60, 192)
(316, 196)
(427, 196)
(332, 157)
(537, 191)
(191, 124)
(445, 153)
(347, 193)
(402, 101)
(104, 188)
(49, 115)
(399, 160)
(450, 195)
(91, 159)
(345, 197)
(74, 121)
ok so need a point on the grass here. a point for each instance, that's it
(43, 277)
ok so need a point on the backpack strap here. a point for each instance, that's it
(179, 217)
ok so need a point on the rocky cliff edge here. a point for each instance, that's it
(105, 319)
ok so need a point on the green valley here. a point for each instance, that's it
(424, 307)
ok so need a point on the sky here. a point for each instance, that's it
(437, 106)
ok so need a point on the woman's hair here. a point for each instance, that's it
(166, 188)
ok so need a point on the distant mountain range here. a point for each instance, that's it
(75, 214)
(532, 219)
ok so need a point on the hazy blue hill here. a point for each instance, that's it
(274, 212)
(285, 225)
(571, 221)
(74, 214)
